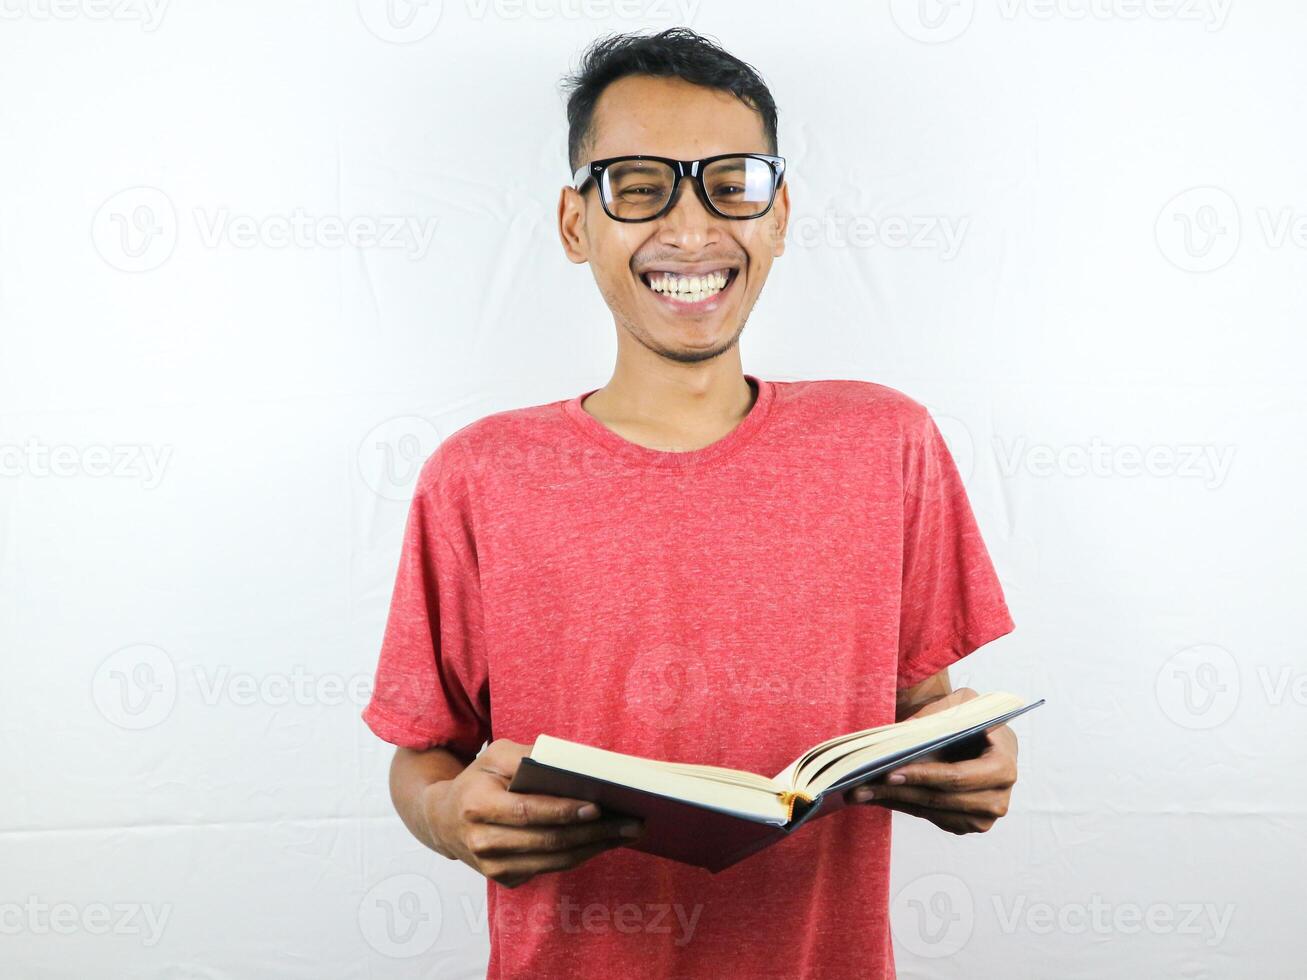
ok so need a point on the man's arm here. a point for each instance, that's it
(910, 700)
(462, 809)
(963, 797)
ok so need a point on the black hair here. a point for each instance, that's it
(676, 52)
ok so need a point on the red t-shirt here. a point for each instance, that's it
(730, 605)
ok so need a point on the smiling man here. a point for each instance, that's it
(689, 563)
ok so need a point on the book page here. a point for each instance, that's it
(831, 765)
(724, 789)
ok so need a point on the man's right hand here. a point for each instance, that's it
(512, 837)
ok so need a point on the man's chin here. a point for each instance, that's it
(672, 343)
(694, 353)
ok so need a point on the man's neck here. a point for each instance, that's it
(673, 407)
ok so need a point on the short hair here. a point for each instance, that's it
(677, 52)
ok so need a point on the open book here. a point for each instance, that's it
(713, 817)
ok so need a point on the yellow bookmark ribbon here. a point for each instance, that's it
(788, 797)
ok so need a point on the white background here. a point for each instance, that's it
(209, 436)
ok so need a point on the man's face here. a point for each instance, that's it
(671, 118)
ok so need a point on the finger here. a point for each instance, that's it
(989, 770)
(501, 759)
(489, 840)
(514, 871)
(496, 805)
(989, 803)
(952, 822)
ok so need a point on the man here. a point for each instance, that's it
(689, 563)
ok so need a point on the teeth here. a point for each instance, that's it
(689, 289)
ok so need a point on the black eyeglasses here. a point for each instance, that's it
(736, 186)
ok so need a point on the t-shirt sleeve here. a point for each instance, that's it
(432, 680)
(951, 601)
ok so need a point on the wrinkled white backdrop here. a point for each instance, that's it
(257, 259)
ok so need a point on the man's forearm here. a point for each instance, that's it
(412, 776)
(910, 700)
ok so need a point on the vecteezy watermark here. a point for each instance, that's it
(938, 233)
(1202, 686)
(135, 687)
(148, 13)
(1283, 683)
(1097, 458)
(1104, 918)
(674, 920)
(1199, 230)
(928, 457)
(666, 685)
(38, 918)
(276, 688)
(409, 21)
(939, 21)
(299, 229)
(39, 460)
(138, 230)
(1202, 229)
(1210, 14)
(932, 21)
(1199, 687)
(135, 230)
(391, 455)
(656, 11)
(138, 687)
(933, 916)
(400, 21)
(960, 445)
(401, 916)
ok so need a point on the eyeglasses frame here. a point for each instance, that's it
(693, 169)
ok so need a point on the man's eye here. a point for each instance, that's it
(728, 190)
(643, 191)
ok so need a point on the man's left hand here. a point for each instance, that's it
(964, 797)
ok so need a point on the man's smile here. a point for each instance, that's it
(690, 289)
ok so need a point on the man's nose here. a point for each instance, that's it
(688, 222)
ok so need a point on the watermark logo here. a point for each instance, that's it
(928, 458)
(675, 921)
(139, 920)
(401, 916)
(136, 687)
(940, 234)
(1282, 684)
(136, 229)
(299, 229)
(1199, 229)
(1199, 687)
(932, 21)
(1103, 918)
(148, 13)
(666, 686)
(1207, 464)
(933, 916)
(959, 443)
(400, 21)
(391, 456)
(277, 689)
(1212, 14)
(39, 460)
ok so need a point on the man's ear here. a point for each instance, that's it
(571, 225)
